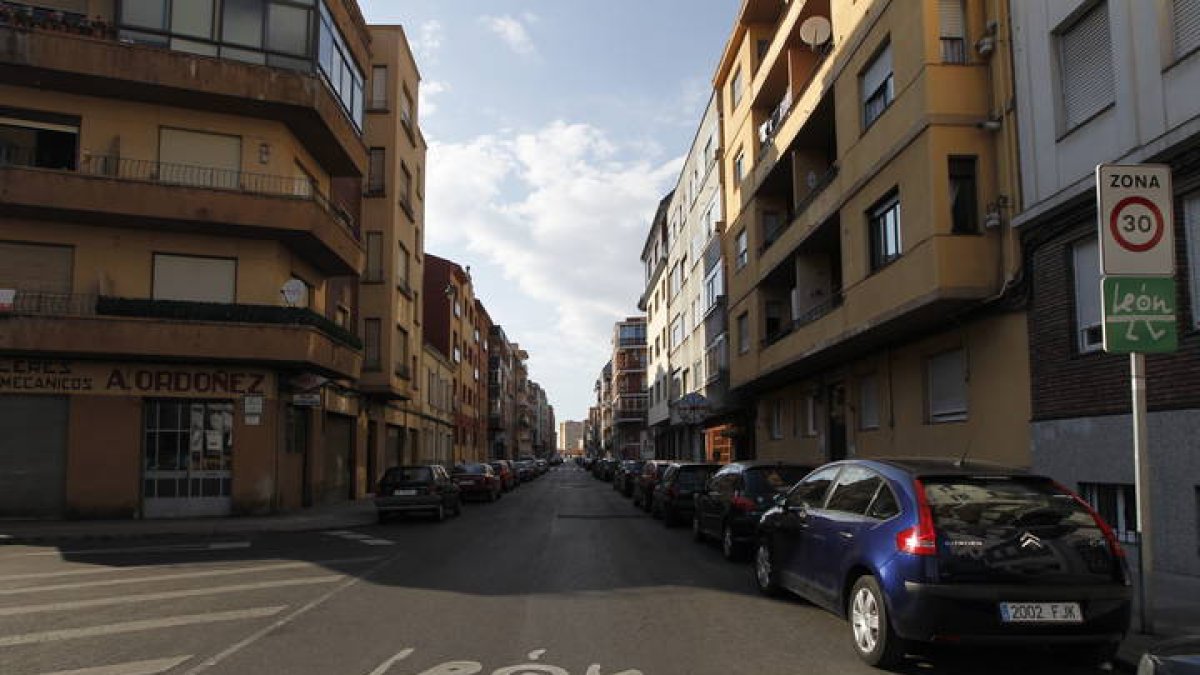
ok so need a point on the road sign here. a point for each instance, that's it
(1137, 233)
(1139, 315)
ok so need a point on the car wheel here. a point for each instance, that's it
(874, 640)
(765, 575)
(729, 546)
(697, 530)
(440, 514)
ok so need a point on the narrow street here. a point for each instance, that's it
(563, 575)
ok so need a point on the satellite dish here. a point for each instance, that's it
(815, 31)
(293, 292)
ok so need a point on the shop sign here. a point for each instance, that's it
(51, 376)
(312, 400)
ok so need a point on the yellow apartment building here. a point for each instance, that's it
(392, 281)
(868, 170)
(180, 241)
(437, 409)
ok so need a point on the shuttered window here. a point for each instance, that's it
(371, 354)
(35, 267)
(947, 387)
(1186, 26)
(868, 402)
(199, 158)
(953, 31)
(1086, 263)
(877, 87)
(193, 278)
(1085, 66)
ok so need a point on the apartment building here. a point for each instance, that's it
(438, 428)
(604, 405)
(627, 388)
(868, 176)
(392, 222)
(571, 435)
(502, 396)
(452, 327)
(655, 302)
(1109, 82)
(180, 241)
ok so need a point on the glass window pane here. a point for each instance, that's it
(243, 55)
(144, 13)
(287, 29)
(192, 17)
(193, 47)
(241, 22)
(855, 489)
(325, 49)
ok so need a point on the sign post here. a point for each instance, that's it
(1137, 261)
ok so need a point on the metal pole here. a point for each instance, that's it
(1141, 474)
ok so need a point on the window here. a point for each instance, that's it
(406, 108)
(193, 278)
(287, 29)
(776, 419)
(856, 488)
(953, 31)
(144, 13)
(885, 231)
(885, 505)
(739, 167)
(374, 271)
(1085, 67)
(810, 492)
(376, 172)
(342, 74)
(1117, 505)
(964, 211)
(1086, 263)
(200, 159)
(402, 266)
(37, 268)
(1186, 26)
(868, 402)
(947, 382)
(379, 87)
(400, 354)
(1191, 220)
(742, 249)
(877, 87)
(371, 352)
(194, 18)
(735, 88)
(38, 143)
(405, 187)
(743, 328)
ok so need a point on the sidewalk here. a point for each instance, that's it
(334, 516)
(1176, 608)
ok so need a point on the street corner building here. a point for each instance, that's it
(182, 230)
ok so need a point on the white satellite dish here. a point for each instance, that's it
(815, 31)
(293, 292)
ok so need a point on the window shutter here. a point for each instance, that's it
(36, 267)
(1085, 59)
(947, 387)
(877, 72)
(950, 16)
(178, 277)
(1087, 287)
(1187, 26)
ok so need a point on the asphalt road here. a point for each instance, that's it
(561, 577)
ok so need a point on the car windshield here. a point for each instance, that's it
(768, 480)
(471, 468)
(408, 474)
(497, 466)
(978, 505)
(693, 477)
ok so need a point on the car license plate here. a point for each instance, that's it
(1040, 612)
(404, 493)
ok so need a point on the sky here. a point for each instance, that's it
(554, 128)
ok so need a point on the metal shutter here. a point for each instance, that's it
(36, 267)
(1187, 26)
(947, 387)
(950, 16)
(877, 71)
(33, 455)
(1085, 66)
(180, 277)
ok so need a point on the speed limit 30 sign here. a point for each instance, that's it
(1137, 233)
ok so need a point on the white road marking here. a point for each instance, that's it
(171, 548)
(378, 542)
(137, 626)
(132, 668)
(360, 537)
(166, 595)
(152, 579)
(383, 667)
(143, 568)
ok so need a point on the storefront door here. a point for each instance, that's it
(187, 458)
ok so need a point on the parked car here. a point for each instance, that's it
(506, 472)
(624, 475)
(542, 465)
(733, 501)
(1178, 656)
(643, 487)
(947, 551)
(478, 481)
(525, 470)
(425, 488)
(603, 468)
(674, 498)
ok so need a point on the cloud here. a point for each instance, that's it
(512, 32)
(428, 41)
(562, 212)
(429, 90)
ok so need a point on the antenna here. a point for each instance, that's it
(963, 457)
(815, 31)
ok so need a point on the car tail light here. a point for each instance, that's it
(922, 539)
(742, 503)
(1114, 544)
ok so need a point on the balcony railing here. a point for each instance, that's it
(36, 303)
(816, 187)
(812, 314)
(37, 18)
(766, 130)
(716, 359)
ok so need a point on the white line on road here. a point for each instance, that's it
(132, 668)
(161, 577)
(166, 595)
(383, 667)
(143, 568)
(137, 626)
(378, 542)
(170, 548)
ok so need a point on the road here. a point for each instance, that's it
(562, 577)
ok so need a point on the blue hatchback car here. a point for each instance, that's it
(942, 551)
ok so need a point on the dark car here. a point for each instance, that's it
(506, 472)
(624, 475)
(674, 498)
(945, 551)
(730, 506)
(525, 470)
(605, 468)
(427, 488)
(643, 486)
(1179, 656)
(478, 481)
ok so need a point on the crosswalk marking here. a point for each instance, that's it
(143, 568)
(378, 542)
(360, 537)
(136, 626)
(151, 667)
(166, 595)
(150, 579)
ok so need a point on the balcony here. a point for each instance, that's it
(716, 359)
(135, 193)
(83, 57)
(101, 326)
